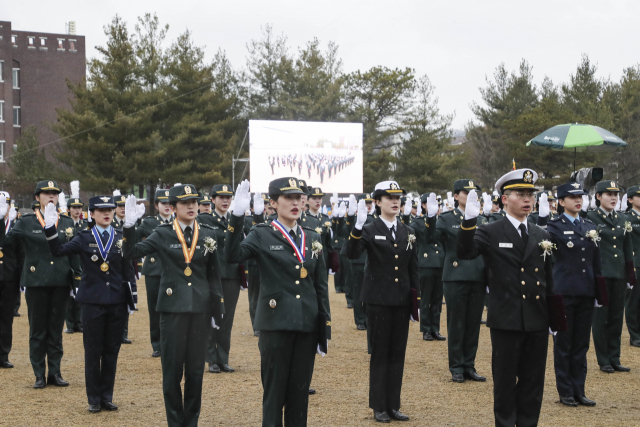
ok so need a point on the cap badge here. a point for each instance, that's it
(528, 176)
(613, 184)
(550, 194)
(166, 193)
(394, 186)
(224, 188)
(77, 201)
(104, 199)
(317, 190)
(187, 190)
(293, 183)
(301, 183)
(50, 184)
(575, 185)
(169, 291)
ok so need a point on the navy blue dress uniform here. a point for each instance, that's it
(48, 281)
(73, 316)
(11, 261)
(292, 315)
(107, 293)
(190, 294)
(219, 340)
(520, 281)
(576, 273)
(152, 270)
(632, 298)
(616, 251)
(390, 276)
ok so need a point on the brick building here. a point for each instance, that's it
(34, 67)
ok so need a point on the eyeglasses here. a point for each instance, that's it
(524, 194)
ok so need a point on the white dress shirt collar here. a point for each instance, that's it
(516, 223)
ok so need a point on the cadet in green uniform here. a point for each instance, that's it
(293, 314)
(48, 281)
(464, 285)
(616, 251)
(632, 298)
(152, 268)
(533, 217)
(430, 262)
(75, 205)
(321, 223)
(253, 274)
(497, 213)
(190, 292)
(219, 340)
(118, 223)
(204, 204)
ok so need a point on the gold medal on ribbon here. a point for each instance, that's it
(303, 273)
(104, 266)
(1, 254)
(188, 253)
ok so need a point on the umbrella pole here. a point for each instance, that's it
(575, 154)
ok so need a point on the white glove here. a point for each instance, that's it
(3, 206)
(595, 304)
(62, 202)
(342, 209)
(486, 208)
(552, 332)
(617, 208)
(243, 199)
(585, 203)
(452, 202)
(593, 202)
(408, 205)
(543, 206)
(362, 214)
(13, 213)
(419, 209)
(258, 204)
(334, 199)
(130, 210)
(629, 286)
(624, 204)
(324, 210)
(213, 324)
(50, 215)
(432, 205)
(320, 352)
(473, 206)
(89, 216)
(353, 205)
(140, 209)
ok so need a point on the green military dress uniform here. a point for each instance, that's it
(532, 218)
(190, 293)
(152, 270)
(464, 287)
(219, 340)
(48, 281)
(251, 266)
(616, 251)
(632, 297)
(293, 304)
(118, 223)
(338, 243)
(321, 223)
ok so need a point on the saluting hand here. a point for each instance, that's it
(473, 206)
(50, 215)
(362, 214)
(13, 213)
(408, 205)
(243, 199)
(419, 209)
(3, 206)
(432, 205)
(353, 205)
(258, 204)
(140, 210)
(585, 203)
(543, 206)
(624, 204)
(130, 210)
(486, 208)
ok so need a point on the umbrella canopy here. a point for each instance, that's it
(577, 137)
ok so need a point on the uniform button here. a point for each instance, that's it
(51, 262)
(583, 249)
(536, 270)
(297, 296)
(152, 260)
(524, 297)
(107, 272)
(436, 244)
(538, 283)
(522, 269)
(395, 245)
(614, 246)
(297, 267)
(1, 263)
(584, 271)
(336, 241)
(107, 283)
(582, 259)
(426, 255)
(523, 283)
(188, 284)
(582, 238)
(455, 263)
(396, 279)
(613, 229)
(297, 282)
(396, 256)
(537, 296)
(616, 255)
(614, 237)
(436, 251)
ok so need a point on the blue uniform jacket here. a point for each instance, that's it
(577, 263)
(114, 286)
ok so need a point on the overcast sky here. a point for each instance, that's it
(456, 43)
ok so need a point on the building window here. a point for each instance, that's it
(1, 111)
(60, 44)
(1, 71)
(32, 40)
(43, 43)
(14, 40)
(17, 120)
(1, 151)
(16, 78)
(72, 45)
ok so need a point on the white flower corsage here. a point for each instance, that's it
(69, 233)
(316, 248)
(627, 227)
(319, 230)
(411, 239)
(547, 247)
(210, 245)
(327, 224)
(594, 235)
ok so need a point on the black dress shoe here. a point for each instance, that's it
(155, 354)
(39, 383)
(427, 336)
(79, 329)
(126, 341)
(6, 364)
(16, 314)
(607, 368)
(474, 376)
(214, 368)
(483, 322)
(381, 417)
(57, 381)
(312, 390)
(568, 401)
(635, 343)
(109, 406)
(226, 368)
(582, 400)
(361, 328)
(457, 378)
(397, 415)
(94, 408)
(68, 331)
(620, 368)
(256, 333)
(339, 291)
(349, 305)
(439, 337)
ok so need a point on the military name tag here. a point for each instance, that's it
(93, 245)
(381, 237)
(36, 231)
(455, 226)
(176, 246)
(276, 248)
(568, 232)
(505, 245)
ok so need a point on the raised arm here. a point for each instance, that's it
(237, 249)
(59, 249)
(132, 249)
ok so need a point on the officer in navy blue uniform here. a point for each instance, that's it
(107, 293)
(576, 274)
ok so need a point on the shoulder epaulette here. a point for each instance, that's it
(262, 224)
(588, 221)
(206, 226)
(165, 225)
(28, 214)
(555, 219)
(309, 228)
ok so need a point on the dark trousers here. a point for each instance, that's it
(102, 337)
(125, 330)
(465, 303)
(431, 293)
(570, 347)
(253, 291)
(183, 337)
(46, 306)
(607, 324)
(389, 326)
(339, 276)
(18, 302)
(152, 285)
(518, 361)
(73, 316)
(219, 340)
(8, 292)
(286, 365)
(632, 311)
(348, 286)
(359, 308)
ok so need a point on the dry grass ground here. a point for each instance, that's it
(341, 378)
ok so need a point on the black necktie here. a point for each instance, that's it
(393, 232)
(523, 233)
(294, 236)
(187, 234)
(105, 237)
